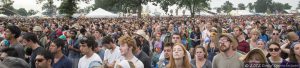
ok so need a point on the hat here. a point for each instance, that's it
(142, 33)
(15, 62)
(157, 44)
(37, 28)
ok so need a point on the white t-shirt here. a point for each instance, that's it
(112, 56)
(137, 63)
(85, 62)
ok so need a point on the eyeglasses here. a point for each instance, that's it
(224, 40)
(275, 33)
(273, 49)
(39, 60)
(175, 37)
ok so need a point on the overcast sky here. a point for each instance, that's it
(31, 4)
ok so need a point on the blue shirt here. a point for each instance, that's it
(63, 62)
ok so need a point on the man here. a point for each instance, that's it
(11, 34)
(243, 46)
(43, 59)
(73, 48)
(167, 53)
(229, 57)
(127, 47)
(30, 40)
(60, 60)
(112, 52)
(90, 58)
(99, 49)
(141, 55)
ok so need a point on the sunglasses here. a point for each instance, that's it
(275, 33)
(274, 49)
(39, 60)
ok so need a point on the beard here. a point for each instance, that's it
(223, 48)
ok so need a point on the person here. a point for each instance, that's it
(275, 55)
(141, 55)
(112, 52)
(179, 57)
(243, 46)
(254, 37)
(156, 53)
(228, 47)
(73, 48)
(12, 32)
(8, 52)
(99, 34)
(275, 37)
(167, 53)
(60, 60)
(212, 45)
(127, 48)
(30, 40)
(90, 58)
(201, 58)
(14, 62)
(44, 59)
(255, 57)
(144, 41)
(260, 44)
(294, 56)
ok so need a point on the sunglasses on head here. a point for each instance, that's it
(273, 49)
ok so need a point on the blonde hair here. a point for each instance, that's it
(255, 31)
(256, 53)
(186, 60)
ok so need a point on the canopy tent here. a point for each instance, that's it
(240, 12)
(2, 15)
(101, 13)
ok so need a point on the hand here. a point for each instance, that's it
(70, 47)
(286, 41)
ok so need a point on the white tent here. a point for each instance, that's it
(240, 12)
(2, 15)
(101, 13)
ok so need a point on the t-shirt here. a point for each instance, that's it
(222, 61)
(33, 55)
(93, 61)
(137, 63)
(112, 56)
(63, 62)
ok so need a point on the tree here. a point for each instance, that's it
(250, 6)
(219, 10)
(49, 8)
(241, 6)
(7, 8)
(227, 7)
(194, 5)
(31, 12)
(287, 6)
(298, 5)
(261, 6)
(68, 7)
(22, 11)
(109, 5)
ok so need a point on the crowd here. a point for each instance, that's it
(151, 42)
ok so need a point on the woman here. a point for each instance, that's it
(294, 57)
(274, 52)
(211, 47)
(201, 60)
(180, 58)
(255, 56)
(254, 34)
(260, 44)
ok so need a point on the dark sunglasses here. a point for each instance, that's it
(275, 33)
(274, 49)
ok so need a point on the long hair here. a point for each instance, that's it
(256, 53)
(292, 55)
(186, 61)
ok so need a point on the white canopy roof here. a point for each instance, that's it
(240, 12)
(100, 13)
(2, 15)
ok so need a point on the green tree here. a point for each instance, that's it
(261, 6)
(287, 6)
(7, 8)
(31, 12)
(194, 5)
(241, 6)
(250, 6)
(109, 5)
(49, 8)
(68, 7)
(298, 5)
(22, 11)
(227, 7)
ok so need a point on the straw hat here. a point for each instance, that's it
(37, 28)
(142, 33)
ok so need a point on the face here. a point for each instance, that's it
(25, 43)
(200, 53)
(53, 48)
(254, 35)
(96, 34)
(108, 46)
(125, 49)
(275, 34)
(274, 50)
(297, 49)
(41, 62)
(254, 59)
(84, 49)
(178, 52)
(237, 32)
(176, 39)
(8, 34)
(167, 52)
(260, 44)
(224, 44)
